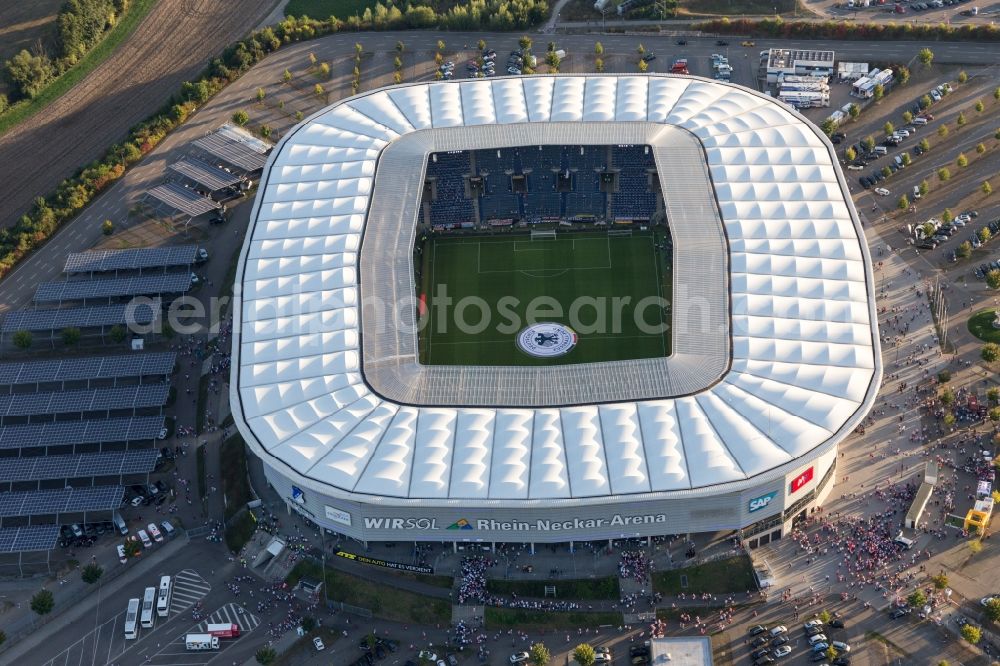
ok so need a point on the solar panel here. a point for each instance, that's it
(182, 199)
(96, 431)
(60, 500)
(137, 258)
(106, 315)
(75, 290)
(65, 402)
(233, 147)
(212, 177)
(94, 367)
(28, 538)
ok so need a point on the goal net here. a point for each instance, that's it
(619, 232)
(543, 235)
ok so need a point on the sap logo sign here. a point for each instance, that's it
(761, 502)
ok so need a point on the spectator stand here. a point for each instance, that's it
(92, 321)
(132, 259)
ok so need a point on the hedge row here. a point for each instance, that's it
(471, 15)
(776, 27)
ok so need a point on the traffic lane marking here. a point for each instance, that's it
(249, 623)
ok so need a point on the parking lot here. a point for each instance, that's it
(768, 643)
(175, 653)
(106, 643)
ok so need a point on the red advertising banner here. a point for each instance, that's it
(801, 480)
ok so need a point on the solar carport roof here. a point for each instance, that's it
(118, 314)
(107, 463)
(87, 367)
(800, 361)
(29, 538)
(93, 431)
(182, 199)
(86, 400)
(60, 500)
(211, 177)
(76, 290)
(136, 258)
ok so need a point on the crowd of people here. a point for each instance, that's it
(636, 565)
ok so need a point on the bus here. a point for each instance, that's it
(132, 620)
(148, 600)
(163, 597)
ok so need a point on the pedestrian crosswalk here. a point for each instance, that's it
(188, 588)
(232, 614)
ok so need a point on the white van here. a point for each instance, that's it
(119, 523)
(901, 540)
(880, 151)
(919, 120)
(168, 529)
(916, 192)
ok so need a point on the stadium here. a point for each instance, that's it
(553, 309)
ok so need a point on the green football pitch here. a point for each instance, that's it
(481, 290)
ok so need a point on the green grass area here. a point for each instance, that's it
(981, 326)
(323, 8)
(240, 531)
(515, 618)
(235, 482)
(731, 575)
(384, 601)
(444, 582)
(584, 588)
(114, 38)
(482, 290)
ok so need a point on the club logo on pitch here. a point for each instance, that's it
(546, 340)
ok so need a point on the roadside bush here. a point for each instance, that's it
(43, 602)
(28, 74)
(849, 30)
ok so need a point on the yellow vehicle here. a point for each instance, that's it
(747, 43)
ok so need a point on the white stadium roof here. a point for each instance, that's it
(792, 371)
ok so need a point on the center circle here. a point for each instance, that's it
(546, 339)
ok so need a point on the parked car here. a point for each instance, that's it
(820, 647)
(154, 532)
(841, 646)
(318, 644)
(519, 657)
(777, 631)
(783, 651)
(121, 554)
(146, 543)
(757, 629)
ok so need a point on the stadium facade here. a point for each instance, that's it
(774, 361)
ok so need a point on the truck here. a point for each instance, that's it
(680, 66)
(223, 630)
(201, 642)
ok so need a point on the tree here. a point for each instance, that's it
(308, 623)
(868, 142)
(906, 159)
(993, 395)
(312, 58)
(994, 414)
(584, 655)
(29, 74)
(980, 148)
(107, 227)
(132, 548)
(992, 610)
(949, 419)
(964, 250)
(886, 172)
(825, 617)
(925, 101)
(438, 58)
(481, 44)
(985, 234)
(996, 95)
(831, 653)
(599, 51)
(43, 602)
(265, 131)
(358, 50)
(943, 131)
(91, 573)
(940, 581)
(299, 116)
(947, 215)
(971, 633)
(979, 106)
(641, 49)
(917, 599)
(878, 92)
(923, 188)
(963, 77)
(241, 117)
(599, 64)
(440, 45)
(991, 350)
(903, 203)
(961, 120)
(397, 77)
(944, 376)
(538, 655)
(286, 76)
(947, 397)
(22, 339)
(397, 63)
(975, 546)
(904, 75)
(850, 155)
(907, 116)
(926, 57)
(643, 65)
(324, 70)
(943, 174)
(261, 93)
(265, 656)
(525, 43)
(318, 90)
(70, 336)
(987, 188)
(962, 160)
(828, 126)
(888, 128)
(925, 145)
